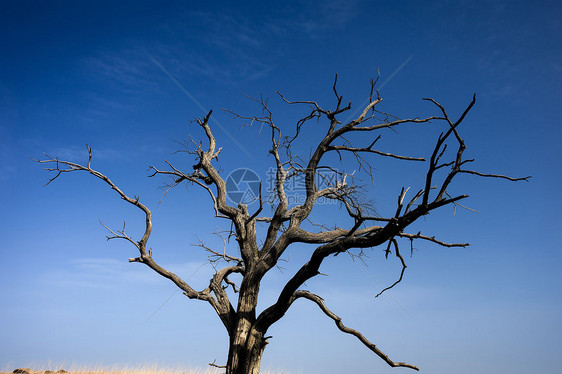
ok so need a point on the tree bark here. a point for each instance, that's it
(246, 350)
(246, 342)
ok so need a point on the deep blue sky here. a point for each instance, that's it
(76, 73)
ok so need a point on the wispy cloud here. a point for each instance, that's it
(318, 17)
(118, 80)
(105, 273)
(77, 154)
(126, 70)
(234, 47)
(230, 49)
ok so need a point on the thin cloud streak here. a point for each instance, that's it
(200, 106)
(396, 71)
(381, 286)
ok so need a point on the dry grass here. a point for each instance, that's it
(116, 369)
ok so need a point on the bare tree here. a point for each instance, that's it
(288, 224)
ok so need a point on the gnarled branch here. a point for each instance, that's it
(145, 257)
(320, 302)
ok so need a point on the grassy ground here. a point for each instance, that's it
(144, 369)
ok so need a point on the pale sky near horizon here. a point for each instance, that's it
(128, 78)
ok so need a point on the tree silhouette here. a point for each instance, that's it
(288, 224)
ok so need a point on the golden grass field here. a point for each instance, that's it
(143, 369)
(102, 369)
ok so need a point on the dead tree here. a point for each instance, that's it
(286, 225)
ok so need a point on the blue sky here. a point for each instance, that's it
(127, 79)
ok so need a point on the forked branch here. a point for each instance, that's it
(60, 166)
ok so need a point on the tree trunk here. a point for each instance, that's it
(246, 350)
(246, 343)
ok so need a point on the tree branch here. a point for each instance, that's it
(320, 302)
(526, 179)
(145, 254)
(393, 241)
